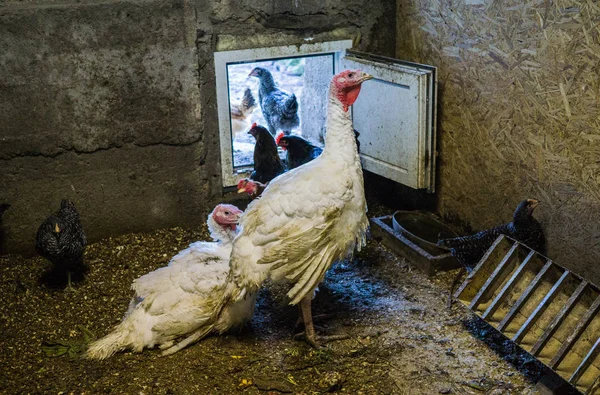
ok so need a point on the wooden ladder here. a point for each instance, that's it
(547, 310)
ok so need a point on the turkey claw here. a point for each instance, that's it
(318, 341)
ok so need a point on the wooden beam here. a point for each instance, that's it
(480, 265)
(539, 310)
(589, 358)
(566, 309)
(572, 339)
(507, 287)
(489, 286)
(524, 296)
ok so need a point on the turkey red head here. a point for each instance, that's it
(346, 86)
(227, 216)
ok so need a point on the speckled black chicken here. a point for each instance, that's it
(524, 228)
(60, 239)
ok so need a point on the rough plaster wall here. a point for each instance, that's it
(113, 104)
(99, 104)
(519, 114)
(316, 86)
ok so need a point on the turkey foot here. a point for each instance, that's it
(325, 316)
(309, 328)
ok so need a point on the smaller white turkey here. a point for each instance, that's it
(181, 299)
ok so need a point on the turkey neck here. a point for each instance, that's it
(339, 141)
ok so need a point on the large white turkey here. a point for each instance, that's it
(308, 217)
(182, 299)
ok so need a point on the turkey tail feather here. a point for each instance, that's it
(108, 345)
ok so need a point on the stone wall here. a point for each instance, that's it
(113, 104)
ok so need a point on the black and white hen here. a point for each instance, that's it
(279, 108)
(60, 239)
(524, 228)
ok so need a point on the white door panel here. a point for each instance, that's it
(395, 115)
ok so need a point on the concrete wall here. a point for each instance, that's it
(518, 114)
(112, 104)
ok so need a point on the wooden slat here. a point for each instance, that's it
(539, 310)
(524, 297)
(488, 287)
(591, 355)
(507, 287)
(566, 309)
(475, 271)
(572, 339)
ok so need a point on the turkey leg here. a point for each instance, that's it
(309, 328)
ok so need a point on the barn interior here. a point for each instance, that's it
(114, 105)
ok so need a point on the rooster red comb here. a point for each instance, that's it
(253, 125)
(279, 136)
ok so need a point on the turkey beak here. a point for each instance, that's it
(364, 77)
(253, 73)
(533, 203)
(56, 228)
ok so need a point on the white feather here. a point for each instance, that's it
(306, 218)
(181, 299)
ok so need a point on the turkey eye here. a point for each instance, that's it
(351, 75)
(227, 213)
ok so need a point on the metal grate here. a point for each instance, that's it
(547, 310)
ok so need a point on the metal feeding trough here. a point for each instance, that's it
(547, 310)
(413, 235)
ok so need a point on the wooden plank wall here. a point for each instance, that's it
(519, 113)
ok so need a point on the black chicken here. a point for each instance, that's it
(298, 150)
(61, 240)
(267, 164)
(524, 228)
(356, 135)
(279, 108)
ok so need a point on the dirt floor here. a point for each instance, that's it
(403, 338)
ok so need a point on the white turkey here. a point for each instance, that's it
(308, 217)
(181, 299)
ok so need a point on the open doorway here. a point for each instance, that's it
(305, 77)
(304, 71)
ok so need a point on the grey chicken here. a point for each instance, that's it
(279, 108)
(524, 228)
(60, 239)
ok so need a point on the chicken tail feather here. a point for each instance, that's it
(290, 107)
